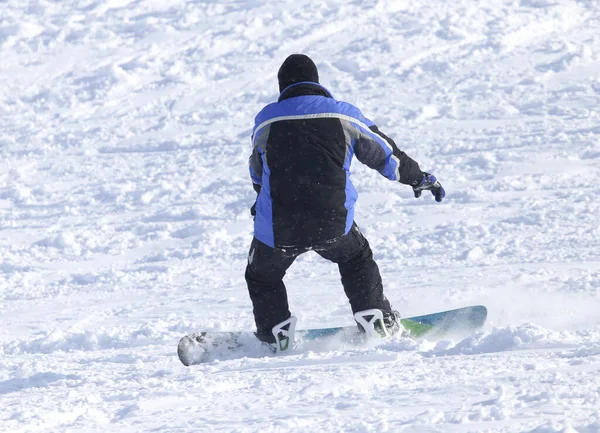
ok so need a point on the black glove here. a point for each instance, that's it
(253, 210)
(429, 183)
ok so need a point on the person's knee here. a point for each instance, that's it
(359, 258)
(261, 276)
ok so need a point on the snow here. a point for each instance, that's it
(124, 222)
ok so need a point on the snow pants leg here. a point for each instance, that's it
(360, 274)
(264, 276)
(267, 267)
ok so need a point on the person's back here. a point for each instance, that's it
(303, 146)
(306, 156)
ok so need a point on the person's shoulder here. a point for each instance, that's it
(351, 110)
(268, 111)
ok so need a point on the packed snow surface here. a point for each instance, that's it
(125, 196)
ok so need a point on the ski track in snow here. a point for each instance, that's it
(124, 220)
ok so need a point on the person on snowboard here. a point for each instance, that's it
(303, 145)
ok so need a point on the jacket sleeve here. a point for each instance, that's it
(256, 167)
(379, 152)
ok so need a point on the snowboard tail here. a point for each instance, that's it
(193, 348)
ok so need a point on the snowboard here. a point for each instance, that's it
(193, 348)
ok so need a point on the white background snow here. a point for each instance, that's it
(124, 222)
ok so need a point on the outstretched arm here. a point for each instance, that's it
(379, 152)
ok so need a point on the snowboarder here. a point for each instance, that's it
(303, 145)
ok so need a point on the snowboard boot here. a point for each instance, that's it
(377, 324)
(392, 323)
(282, 336)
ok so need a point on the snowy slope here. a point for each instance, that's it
(124, 222)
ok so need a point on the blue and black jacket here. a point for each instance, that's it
(303, 145)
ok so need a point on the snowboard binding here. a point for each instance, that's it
(284, 334)
(372, 323)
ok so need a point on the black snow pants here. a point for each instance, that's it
(267, 266)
